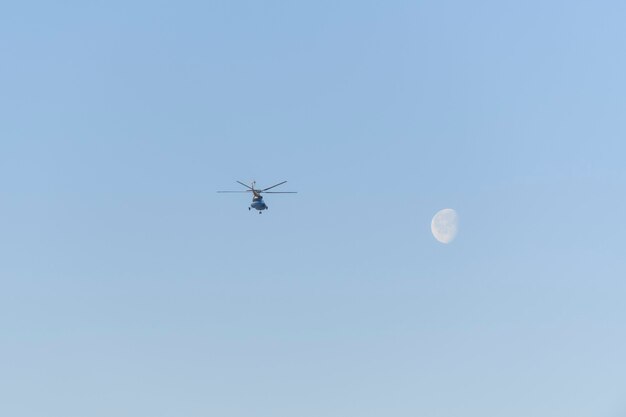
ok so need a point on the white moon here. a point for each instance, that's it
(445, 225)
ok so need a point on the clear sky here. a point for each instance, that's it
(128, 287)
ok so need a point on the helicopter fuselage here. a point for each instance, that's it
(258, 203)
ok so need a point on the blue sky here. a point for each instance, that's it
(128, 287)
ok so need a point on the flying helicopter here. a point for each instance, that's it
(257, 198)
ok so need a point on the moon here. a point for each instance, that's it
(445, 225)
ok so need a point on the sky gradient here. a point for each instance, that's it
(128, 287)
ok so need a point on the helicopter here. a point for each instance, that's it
(257, 198)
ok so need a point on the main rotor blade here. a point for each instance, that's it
(245, 185)
(279, 192)
(245, 191)
(275, 185)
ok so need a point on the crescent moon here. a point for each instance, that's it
(445, 225)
